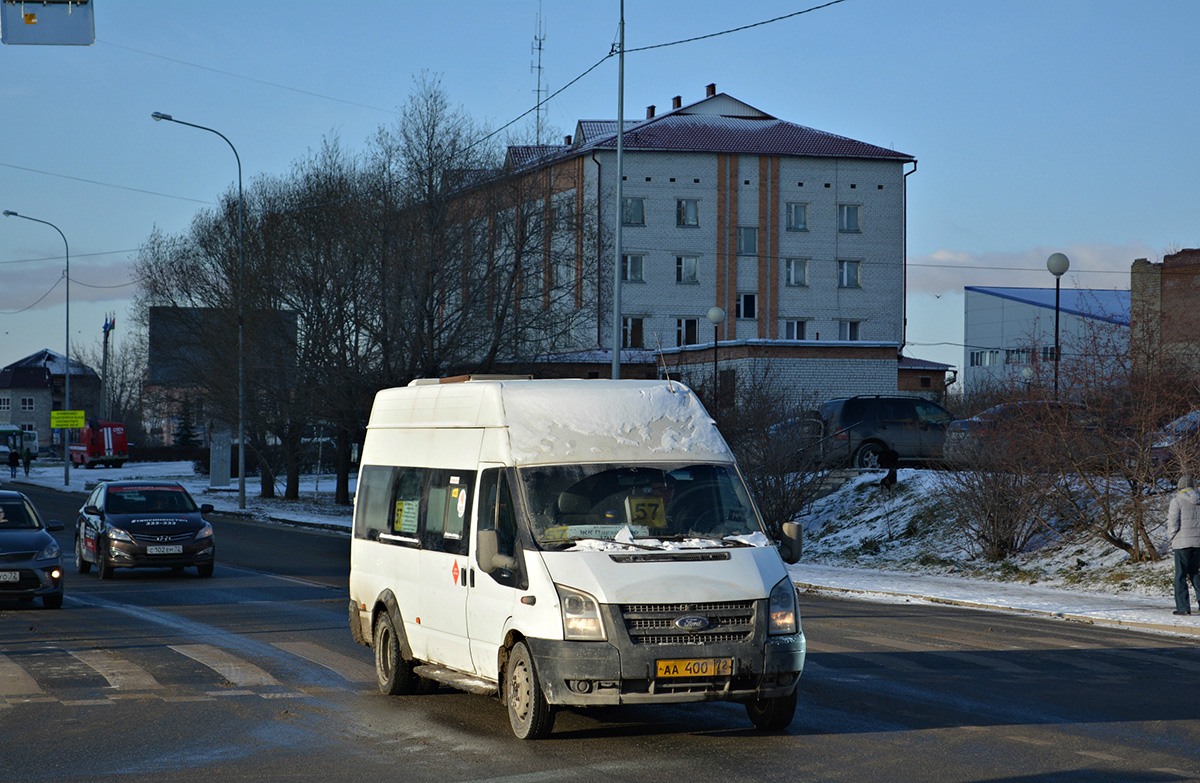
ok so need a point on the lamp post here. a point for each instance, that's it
(241, 351)
(1058, 264)
(716, 316)
(67, 372)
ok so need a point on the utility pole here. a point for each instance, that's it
(539, 37)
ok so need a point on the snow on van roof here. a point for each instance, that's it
(570, 420)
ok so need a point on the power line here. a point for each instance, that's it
(248, 78)
(35, 303)
(735, 29)
(103, 184)
(76, 255)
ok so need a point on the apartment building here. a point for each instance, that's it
(797, 234)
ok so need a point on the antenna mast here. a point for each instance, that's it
(539, 36)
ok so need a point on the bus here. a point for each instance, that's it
(13, 437)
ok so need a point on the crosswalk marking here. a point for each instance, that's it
(348, 668)
(232, 668)
(14, 681)
(120, 673)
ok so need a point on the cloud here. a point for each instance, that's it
(1093, 265)
(39, 285)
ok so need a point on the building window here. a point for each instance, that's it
(26, 404)
(747, 241)
(746, 306)
(685, 269)
(793, 330)
(687, 212)
(848, 218)
(5, 403)
(1047, 353)
(989, 358)
(631, 333)
(1016, 356)
(848, 274)
(795, 272)
(925, 381)
(631, 268)
(633, 212)
(686, 331)
(848, 330)
(797, 217)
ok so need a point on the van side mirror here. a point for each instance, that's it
(92, 511)
(206, 508)
(489, 556)
(791, 542)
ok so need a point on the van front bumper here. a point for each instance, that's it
(606, 673)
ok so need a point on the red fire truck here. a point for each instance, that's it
(100, 443)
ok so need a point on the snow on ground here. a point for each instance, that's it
(859, 540)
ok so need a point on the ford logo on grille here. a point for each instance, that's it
(692, 623)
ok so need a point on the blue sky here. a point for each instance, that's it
(1039, 126)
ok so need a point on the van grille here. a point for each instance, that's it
(167, 538)
(730, 621)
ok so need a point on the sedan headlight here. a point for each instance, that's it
(51, 552)
(781, 609)
(117, 534)
(580, 615)
(204, 532)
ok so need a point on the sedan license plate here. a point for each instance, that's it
(170, 549)
(695, 667)
(10, 576)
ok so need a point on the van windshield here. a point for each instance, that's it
(654, 506)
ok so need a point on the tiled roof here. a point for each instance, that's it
(1099, 303)
(54, 362)
(742, 135)
(526, 154)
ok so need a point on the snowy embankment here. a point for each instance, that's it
(895, 546)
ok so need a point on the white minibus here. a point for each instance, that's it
(568, 543)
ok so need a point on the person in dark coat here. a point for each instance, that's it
(1183, 533)
(14, 462)
(26, 458)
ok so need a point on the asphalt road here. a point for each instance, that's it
(251, 675)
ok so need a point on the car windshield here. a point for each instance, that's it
(148, 500)
(639, 506)
(16, 515)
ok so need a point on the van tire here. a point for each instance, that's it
(528, 713)
(103, 569)
(394, 674)
(773, 714)
(868, 455)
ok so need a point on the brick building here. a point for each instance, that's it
(1165, 317)
(34, 386)
(797, 234)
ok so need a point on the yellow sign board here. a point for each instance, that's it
(67, 420)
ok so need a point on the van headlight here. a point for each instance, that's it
(117, 534)
(204, 532)
(580, 615)
(781, 608)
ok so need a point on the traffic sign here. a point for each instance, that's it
(67, 420)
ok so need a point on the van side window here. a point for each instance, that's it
(447, 508)
(496, 512)
(372, 508)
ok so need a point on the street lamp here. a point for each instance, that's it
(67, 373)
(1058, 264)
(716, 316)
(241, 352)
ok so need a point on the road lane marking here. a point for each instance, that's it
(233, 669)
(1097, 755)
(347, 668)
(897, 644)
(14, 681)
(120, 673)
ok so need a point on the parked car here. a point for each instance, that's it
(30, 558)
(143, 524)
(866, 431)
(1177, 442)
(967, 438)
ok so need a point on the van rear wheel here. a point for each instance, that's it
(773, 714)
(531, 717)
(394, 674)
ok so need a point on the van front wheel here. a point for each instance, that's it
(774, 714)
(394, 674)
(528, 712)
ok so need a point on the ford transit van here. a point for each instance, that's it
(568, 543)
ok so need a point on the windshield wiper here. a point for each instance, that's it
(695, 537)
(563, 543)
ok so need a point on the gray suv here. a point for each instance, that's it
(878, 432)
